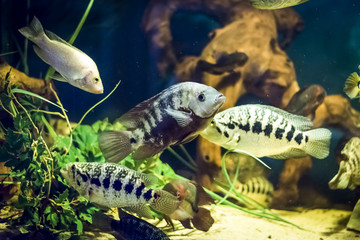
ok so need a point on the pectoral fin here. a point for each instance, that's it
(182, 118)
(115, 145)
(57, 76)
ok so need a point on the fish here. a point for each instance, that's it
(174, 116)
(191, 196)
(224, 63)
(352, 85)
(348, 175)
(133, 228)
(306, 101)
(275, 4)
(263, 130)
(109, 185)
(129, 227)
(71, 64)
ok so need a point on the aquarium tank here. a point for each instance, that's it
(180, 119)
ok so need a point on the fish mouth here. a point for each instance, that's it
(221, 99)
(97, 91)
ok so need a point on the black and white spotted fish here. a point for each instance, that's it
(263, 130)
(111, 185)
(174, 116)
(348, 175)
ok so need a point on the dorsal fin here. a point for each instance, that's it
(130, 118)
(55, 37)
(300, 122)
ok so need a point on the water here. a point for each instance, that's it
(324, 53)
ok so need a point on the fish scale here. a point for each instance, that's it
(111, 185)
(263, 130)
(174, 116)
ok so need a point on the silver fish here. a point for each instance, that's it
(263, 130)
(174, 116)
(111, 185)
(275, 4)
(73, 66)
(348, 175)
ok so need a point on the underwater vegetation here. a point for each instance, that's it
(61, 176)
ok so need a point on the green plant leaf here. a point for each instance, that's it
(16, 90)
(53, 218)
(62, 197)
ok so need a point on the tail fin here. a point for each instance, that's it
(319, 142)
(351, 87)
(115, 145)
(165, 202)
(33, 31)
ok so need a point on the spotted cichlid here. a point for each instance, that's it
(275, 4)
(263, 130)
(174, 116)
(111, 185)
(348, 175)
(73, 66)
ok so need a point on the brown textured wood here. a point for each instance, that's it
(16, 77)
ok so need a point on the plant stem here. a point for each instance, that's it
(49, 128)
(65, 115)
(10, 182)
(181, 159)
(97, 104)
(191, 160)
(37, 130)
(223, 166)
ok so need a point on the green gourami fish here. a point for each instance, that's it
(174, 116)
(275, 4)
(111, 185)
(73, 66)
(263, 130)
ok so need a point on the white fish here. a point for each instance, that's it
(111, 185)
(348, 175)
(275, 4)
(174, 116)
(73, 66)
(263, 130)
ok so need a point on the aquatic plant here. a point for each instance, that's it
(46, 201)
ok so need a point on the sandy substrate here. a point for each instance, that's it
(231, 224)
(320, 224)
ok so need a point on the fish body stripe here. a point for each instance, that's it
(110, 185)
(152, 117)
(255, 125)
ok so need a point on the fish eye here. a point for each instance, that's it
(97, 79)
(201, 97)
(178, 195)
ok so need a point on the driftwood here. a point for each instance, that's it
(244, 56)
(334, 111)
(35, 85)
